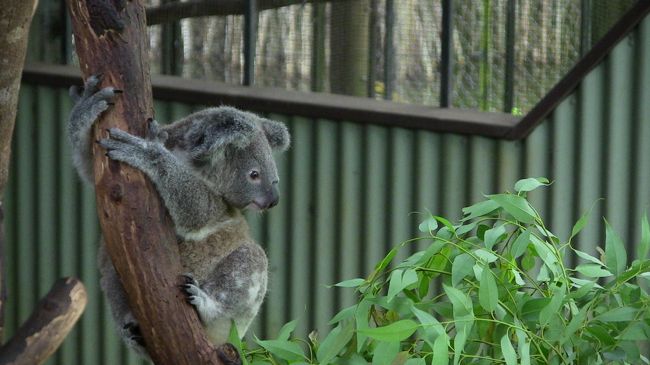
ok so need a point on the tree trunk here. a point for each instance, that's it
(111, 40)
(15, 18)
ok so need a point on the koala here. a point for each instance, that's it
(207, 167)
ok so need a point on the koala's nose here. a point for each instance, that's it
(274, 197)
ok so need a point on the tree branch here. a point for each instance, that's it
(15, 19)
(177, 10)
(48, 325)
(111, 39)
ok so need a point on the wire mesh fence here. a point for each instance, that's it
(505, 54)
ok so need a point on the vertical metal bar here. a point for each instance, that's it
(585, 26)
(250, 37)
(318, 62)
(373, 33)
(509, 97)
(389, 56)
(445, 57)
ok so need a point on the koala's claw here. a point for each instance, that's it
(122, 136)
(133, 332)
(191, 289)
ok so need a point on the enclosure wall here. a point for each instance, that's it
(350, 192)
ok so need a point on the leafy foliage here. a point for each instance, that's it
(492, 289)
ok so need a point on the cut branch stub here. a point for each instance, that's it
(137, 230)
(48, 325)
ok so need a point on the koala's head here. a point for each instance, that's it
(233, 151)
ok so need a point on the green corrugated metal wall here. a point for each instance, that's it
(348, 194)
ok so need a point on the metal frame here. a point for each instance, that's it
(365, 110)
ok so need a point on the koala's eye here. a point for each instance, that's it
(254, 174)
(200, 140)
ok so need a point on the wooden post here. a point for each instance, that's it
(48, 325)
(111, 39)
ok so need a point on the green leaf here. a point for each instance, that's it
(575, 324)
(488, 294)
(593, 271)
(485, 255)
(494, 235)
(461, 303)
(580, 224)
(553, 307)
(523, 344)
(416, 361)
(286, 350)
(233, 337)
(636, 331)
(588, 257)
(386, 260)
(361, 320)
(622, 314)
(516, 206)
(463, 327)
(399, 280)
(447, 223)
(335, 342)
(583, 290)
(286, 330)
(396, 331)
(644, 246)
(521, 243)
(615, 255)
(430, 325)
(530, 184)
(508, 351)
(440, 350)
(545, 252)
(428, 225)
(385, 353)
(461, 267)
(351, 283)
(343, 314)
(479, 209)
(518, 279)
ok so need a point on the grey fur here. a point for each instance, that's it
(202, 166)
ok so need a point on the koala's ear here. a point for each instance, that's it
(211, 142)
(277, 134)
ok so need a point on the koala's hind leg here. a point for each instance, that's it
(127, 326)
(89, 104)
(233, 291)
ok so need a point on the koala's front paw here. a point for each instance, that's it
(205, 306)
(135, 151)
(90, 102)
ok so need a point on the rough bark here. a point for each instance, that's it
(111, 40)
(15, 18)
(3, 288)
(48, 325)
(196, 8)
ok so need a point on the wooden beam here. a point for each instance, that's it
(111, 39)
(48, 325)
(312, 105)
(178, 10)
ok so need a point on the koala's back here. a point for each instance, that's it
(200, 257)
